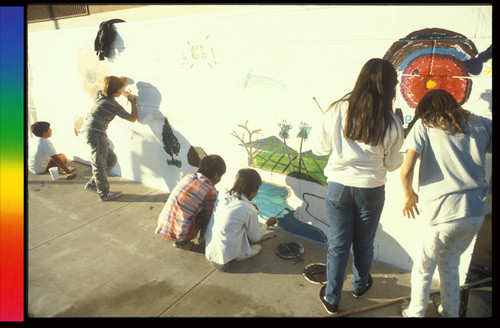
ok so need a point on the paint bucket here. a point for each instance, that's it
(54, 173)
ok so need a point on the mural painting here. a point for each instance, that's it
(245, 93)
(436, 58)
(200, 53)
(428, 59)
(273, 154)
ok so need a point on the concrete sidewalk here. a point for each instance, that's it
(88, 258)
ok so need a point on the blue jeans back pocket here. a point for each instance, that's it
(335, 191)
(373, 196)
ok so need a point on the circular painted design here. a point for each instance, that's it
(428, 72)
(432, 59)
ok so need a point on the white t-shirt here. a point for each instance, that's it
(40, 151)
(233, 223)
(354, 163)
(451, 179)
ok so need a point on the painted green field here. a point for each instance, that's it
(272, 156)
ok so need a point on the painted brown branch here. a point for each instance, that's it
(249, 148)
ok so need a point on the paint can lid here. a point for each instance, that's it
(315, 273)
(289, 250)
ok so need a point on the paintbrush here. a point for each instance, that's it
(280, 212)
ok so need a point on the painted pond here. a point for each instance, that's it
(271, 199)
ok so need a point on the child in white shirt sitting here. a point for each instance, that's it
(235, 223)
(42, 154)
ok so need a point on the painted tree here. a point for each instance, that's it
(303, 134)
(249, 146)
(284, 134)
(170, 142)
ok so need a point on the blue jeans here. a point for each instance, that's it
(103, 159)
(354, 214)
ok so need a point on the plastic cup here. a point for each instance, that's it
(54, 173)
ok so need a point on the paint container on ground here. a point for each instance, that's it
(54, 173)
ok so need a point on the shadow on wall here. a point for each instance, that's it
(389, 250)
(168, 155)
(165, 154)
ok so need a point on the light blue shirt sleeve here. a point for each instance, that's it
(416, 138)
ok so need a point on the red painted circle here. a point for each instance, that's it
(434, 71)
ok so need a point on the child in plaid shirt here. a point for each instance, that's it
(191, 202)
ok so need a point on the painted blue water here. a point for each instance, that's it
(271, 199)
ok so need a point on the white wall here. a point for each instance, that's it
(207, 73)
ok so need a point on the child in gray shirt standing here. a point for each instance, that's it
(103, 111)
(451, 143)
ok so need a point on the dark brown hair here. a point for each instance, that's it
(210, 165)
(369, 113)
(38, 128)
(111, 85)
(439, 109)
(247, 181)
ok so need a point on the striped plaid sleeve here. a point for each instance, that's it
(209, 201)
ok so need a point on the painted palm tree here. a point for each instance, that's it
(303, 134)
(284, 134)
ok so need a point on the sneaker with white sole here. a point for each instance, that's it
(368, 285)
(254, 250)
(330, 308)
(404, 308)
(220, 267)
(111, 195)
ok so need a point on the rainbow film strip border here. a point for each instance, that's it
(11, 163)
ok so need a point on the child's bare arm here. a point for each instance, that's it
(133, 102)
(57, 160)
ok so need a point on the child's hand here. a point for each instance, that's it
(410, 205)
(130, 96)
(272, 221)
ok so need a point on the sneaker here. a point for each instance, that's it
(368, 285)
(436, 300)
(330, 308)
(185, 245)
(254, 250)
(404, 307)
(111, 195)
(220, 267)
(89, 187)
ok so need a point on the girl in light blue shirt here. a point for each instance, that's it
(451, 144)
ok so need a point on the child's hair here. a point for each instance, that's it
(38, 128)
(369, 113)
(247, 181)
(210, 165)
(439, 109)
(111, 85)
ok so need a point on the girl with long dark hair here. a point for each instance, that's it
(362, 136)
